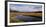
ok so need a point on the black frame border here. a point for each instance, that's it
(23, 2)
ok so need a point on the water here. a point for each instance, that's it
(28, 18)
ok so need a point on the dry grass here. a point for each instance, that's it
(13, 15)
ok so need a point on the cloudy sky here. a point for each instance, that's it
(25, 7)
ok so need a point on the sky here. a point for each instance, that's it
(25, 7)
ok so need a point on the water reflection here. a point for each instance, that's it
(29, 18)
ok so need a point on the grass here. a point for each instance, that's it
(13, 16)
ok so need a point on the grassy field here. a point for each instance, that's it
(13, 16)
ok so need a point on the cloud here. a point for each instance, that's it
(25, 8)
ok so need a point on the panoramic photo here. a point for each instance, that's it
(25, 13)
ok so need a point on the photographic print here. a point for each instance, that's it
(20, 13)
